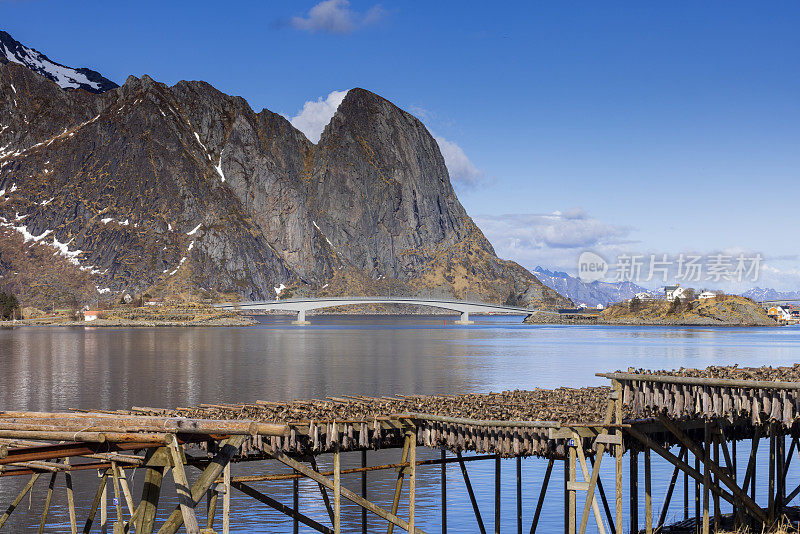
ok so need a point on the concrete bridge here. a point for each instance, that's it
(302, 305)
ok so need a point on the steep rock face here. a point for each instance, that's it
(379, 174)
(134, 189)
(184, 188)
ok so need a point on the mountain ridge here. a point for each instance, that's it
(12, 50)
(588, 293)
(187, 190)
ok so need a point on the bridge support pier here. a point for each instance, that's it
(464, 319)
(301, 318)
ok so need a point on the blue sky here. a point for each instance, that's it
(615, 126)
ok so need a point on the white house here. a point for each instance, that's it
(781, 313)
(91, 315)
(706, 295)
(673, 292)
(600, 307)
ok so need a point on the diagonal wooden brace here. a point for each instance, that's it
(346, 493)
(738, 492)
(272, 503)
(181, 487)
(227, 450)
(671, 458)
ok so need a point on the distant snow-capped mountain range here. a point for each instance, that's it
(594, 293)
(12, 51)
(767, 293)
(590, 294)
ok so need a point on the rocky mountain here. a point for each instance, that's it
(186, 190)
(13, 51)
(762, 293)
(590, 294)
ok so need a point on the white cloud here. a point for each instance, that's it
(553, 240)
(462, 171)
(316, 114)
(778, 279)
(335, 16)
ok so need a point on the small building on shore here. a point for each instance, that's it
(780, 313)
(91, 315)
(673, 292)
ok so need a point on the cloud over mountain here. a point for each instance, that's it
(554, 239)
(316, 114)
(462, 171)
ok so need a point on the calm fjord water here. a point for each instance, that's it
(53, 369)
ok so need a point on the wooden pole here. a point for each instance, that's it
(779, 472)
(104, 509)
(663, 516)
(686, 494)
(497, 495)
(590, 480)
(73, 521)
(151, 492)
(226, 500)
(617, 388)
(346, 493)
(572, 494)
(302, 518)
(648, 497)
(398, 485)
(118, 526)
(606, 507)
(706, 476)
(674, 460)
(323, 490)
(519, 494)
(737, 492)
(734, 473)
(542, 493)
(364, 491)
(412, 482)
(295, 505)
(47, 500)
(471, 493)
(717, 512)
(182, 489)
(444, 490)
(126, 491)
(566, 493)
(211, 509)
(634, 492)
(771, 501)
(18, 499)
(697, 494)
(272, 503)
(337, 491)
(228, 448)
(96, 503)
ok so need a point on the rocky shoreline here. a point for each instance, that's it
(117, 323)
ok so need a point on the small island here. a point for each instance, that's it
(683, 309)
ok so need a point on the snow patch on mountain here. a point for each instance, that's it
(12, 51)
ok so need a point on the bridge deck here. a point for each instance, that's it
(317, 303)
